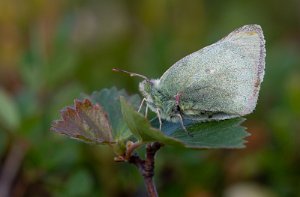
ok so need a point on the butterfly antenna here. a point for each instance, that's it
(130, 73)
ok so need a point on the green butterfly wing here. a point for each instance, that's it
(223, 77)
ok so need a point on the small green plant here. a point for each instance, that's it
(110, 117)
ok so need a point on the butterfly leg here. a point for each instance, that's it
(159, 118)
(141, 105)
(182, 125)
(146, 111)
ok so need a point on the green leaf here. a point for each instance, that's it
(213, 134)
(141, 127)
(85, 121)
(109, 99)
(9, 115)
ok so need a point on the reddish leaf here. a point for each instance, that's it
(84, 121)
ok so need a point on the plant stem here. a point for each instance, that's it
(146, 167)
(150, 186)
(11, 166)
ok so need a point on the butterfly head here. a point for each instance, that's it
(155, 98)
(149, 90)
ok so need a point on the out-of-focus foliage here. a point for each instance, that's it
(51, 51)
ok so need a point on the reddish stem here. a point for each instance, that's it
(146, 167)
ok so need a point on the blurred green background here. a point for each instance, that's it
(51, 51)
